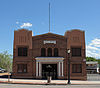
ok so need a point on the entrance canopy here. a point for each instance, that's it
(49, 59)
(46, 60)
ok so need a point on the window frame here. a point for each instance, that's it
(22, 68)
(43, 54)
(23, 53)
(49, 52)
(75, 69)
(77, 55)
(56, 52)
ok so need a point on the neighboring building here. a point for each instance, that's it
(92, 67)
(42, 55)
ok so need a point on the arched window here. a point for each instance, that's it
(43, 52)
(55, 52)
(49, 52)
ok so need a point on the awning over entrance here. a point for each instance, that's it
(49, 60)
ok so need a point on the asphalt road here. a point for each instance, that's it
(46, 86)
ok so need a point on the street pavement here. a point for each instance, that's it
(46, 86)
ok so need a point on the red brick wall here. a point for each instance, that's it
(74, 38)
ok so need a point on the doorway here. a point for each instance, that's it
(49, 70)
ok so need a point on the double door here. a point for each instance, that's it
(49, 70)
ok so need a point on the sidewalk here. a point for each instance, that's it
(44, 82)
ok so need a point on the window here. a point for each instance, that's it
(49, 52)
(55, 52)
(76, 52)
(22, 51)
(22, 68)
(76, 68)
(43, 52)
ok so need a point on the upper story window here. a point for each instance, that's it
(49, 52)
(76, 52)
(22, 51)
(43, 52)
(55, 52)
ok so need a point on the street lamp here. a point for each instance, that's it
(68, 52)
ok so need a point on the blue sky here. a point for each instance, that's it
(65, 15)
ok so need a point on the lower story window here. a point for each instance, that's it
(22, 68)
(76, 68)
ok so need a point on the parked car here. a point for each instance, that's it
(2, 70)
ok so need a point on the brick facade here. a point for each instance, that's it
(73, 38)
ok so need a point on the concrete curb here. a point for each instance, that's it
(30, 83)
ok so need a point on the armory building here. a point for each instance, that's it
(42, 55)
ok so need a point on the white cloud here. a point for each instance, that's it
(17, 22)
(26, 25)
(96, 42)
(90, 47)
(93, 48)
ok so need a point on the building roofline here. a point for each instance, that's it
(49, 33)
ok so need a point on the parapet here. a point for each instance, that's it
(23, 37)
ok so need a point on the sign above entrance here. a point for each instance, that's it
(48, 41)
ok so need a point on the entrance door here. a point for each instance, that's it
(49, 70)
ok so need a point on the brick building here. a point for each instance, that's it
(42, 55)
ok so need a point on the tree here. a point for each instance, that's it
(6, 61)
(91, 59)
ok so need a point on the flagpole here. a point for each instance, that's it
(49, 16)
